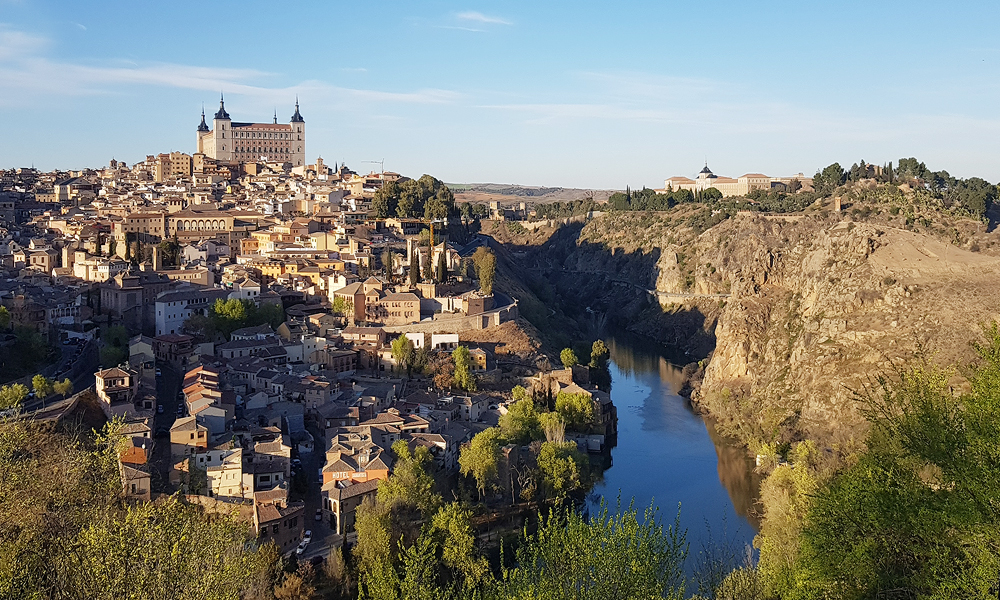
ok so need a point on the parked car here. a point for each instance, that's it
(180, 410)
(159, 408)
(319, 514)
(316, 560)
(304, 543)
(158, 372)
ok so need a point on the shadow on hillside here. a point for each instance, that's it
(992, 217)
(592, 288)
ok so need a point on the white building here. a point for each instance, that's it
(231, 141)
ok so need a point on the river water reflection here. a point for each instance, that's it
(668, 455)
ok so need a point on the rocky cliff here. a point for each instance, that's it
(798, 313)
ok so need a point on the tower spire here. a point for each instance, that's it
(222, 114)
(297, 117)
(203, 126)
(275, 116)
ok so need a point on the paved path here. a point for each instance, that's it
(657, 293)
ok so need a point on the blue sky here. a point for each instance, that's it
(576, 94)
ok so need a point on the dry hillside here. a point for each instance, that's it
(818, 303)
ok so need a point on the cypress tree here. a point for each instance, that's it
(442, 269)
(428, 269)
(414, 268)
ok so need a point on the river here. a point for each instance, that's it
(666, 454)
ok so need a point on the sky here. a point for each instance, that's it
(596, 95)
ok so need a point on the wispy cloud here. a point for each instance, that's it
(460, 28)
(16, 44)
(27, 72)
(478, 17)
(81, 26)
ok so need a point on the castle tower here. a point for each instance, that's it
(298, 146)
(222, 134)
(202, 132)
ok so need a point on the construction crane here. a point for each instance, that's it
(380, 163)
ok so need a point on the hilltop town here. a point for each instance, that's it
(265, 334)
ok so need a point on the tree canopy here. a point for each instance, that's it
(576, 409)
(568, 358)
(485, 263)
(226, 316)
(481, 458)
(68, 533)
(914, 514)
(463, 369)
(426, 197)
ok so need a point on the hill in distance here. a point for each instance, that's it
(508, 192)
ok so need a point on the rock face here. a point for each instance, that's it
(811, 323)
(817, 308)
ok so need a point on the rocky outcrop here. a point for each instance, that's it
(818, 306)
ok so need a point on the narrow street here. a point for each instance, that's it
(323, 538)
(167, 389)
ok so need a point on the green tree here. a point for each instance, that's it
(421, 359)
(435, 208)
(404, 353)
(64, 388)
(452, 528)
(410, 204)
(414, 268)
(711, 195)
(829, 178)
(576, 409)
(485, 263)
(112, 356)
(481, 459)
(518, 393)
(599, 354)
(606, 556)
(342, 306)
(13, 395)
(41, 386)
(442, 269)
(463, 369)
(786, 496)
(116, 336)
(914, 515)
(568, 358)
(4, 318)
(388, 263)
(563, 468)
(99, 546)
(520, 424)
(553, 426)
(429, 265)
(386, 199)
(294, 587)
(170, 252)
(411, 481)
